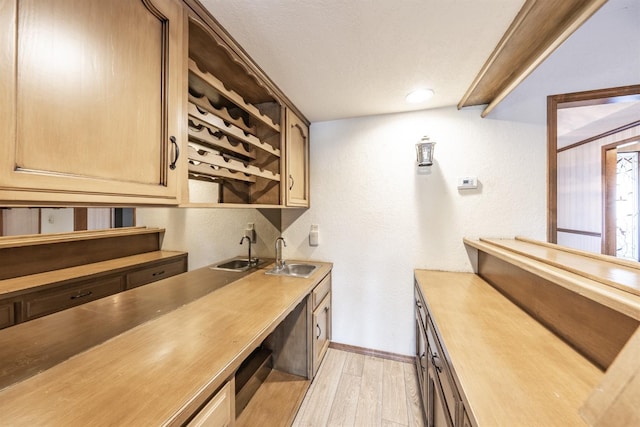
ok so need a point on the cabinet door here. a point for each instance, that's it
(7, 314)
(437, 414)
(90, 100)
(322, 331)
(219, 412)
(297, 159)
(422, 362)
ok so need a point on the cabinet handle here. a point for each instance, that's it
(319, 331)
(418, 304)
(172, 166)
(159, 273)
(436, 362)
(86, 294)
(422, 356)
(292, 181)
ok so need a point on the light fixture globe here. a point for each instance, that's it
(420, 95)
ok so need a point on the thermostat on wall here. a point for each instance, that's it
(467, 182)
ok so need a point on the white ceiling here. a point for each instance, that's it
(579, 123)
(347, 58)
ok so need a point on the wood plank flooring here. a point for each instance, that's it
(361, 391)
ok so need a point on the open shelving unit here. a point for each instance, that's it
(235, 136)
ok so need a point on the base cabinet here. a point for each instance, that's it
(440, 398)
(321, 321)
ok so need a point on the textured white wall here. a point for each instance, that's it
(209, 235)
(380, 216)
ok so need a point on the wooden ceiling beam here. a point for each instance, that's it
(538, 29)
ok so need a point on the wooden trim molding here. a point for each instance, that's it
(566, 100)
(537, 30)
(80, 219)
(369, 352)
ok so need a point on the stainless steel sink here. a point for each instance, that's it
(296, 270)
(237, 264)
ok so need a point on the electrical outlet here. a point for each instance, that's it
(250, 232)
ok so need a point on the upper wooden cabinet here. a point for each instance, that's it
(297, 149)
(90, 101)
(240, 150)
(234, 126)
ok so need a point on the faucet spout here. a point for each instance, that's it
(279, 259)
(249, 255)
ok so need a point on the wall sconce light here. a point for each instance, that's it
(424, 151)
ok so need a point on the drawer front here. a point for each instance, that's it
(154, 273)
(7, 314)
(47, 302)
(218, 412)
(321, 291)
(439, 362)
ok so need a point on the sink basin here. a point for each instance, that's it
(235, 265)
(295, 270)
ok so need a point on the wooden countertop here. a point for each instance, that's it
(32, 282)
(511, 369)
(161, 370)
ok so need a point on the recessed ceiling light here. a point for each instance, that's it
(419, 95)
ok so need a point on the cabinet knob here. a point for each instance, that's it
(172, 166)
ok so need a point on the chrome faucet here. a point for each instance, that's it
(279, 259)
(248, 240)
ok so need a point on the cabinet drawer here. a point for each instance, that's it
(154, 273)
(7, 314)
(47, 302)
(443, 374)
(321, 291)
(218, 412)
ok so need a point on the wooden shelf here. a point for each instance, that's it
(276, 402)
(220, 161)
(198, 78)
(538, 29)
(624, 302)
(46, 239)
(223, 112)
(231, 130)
(198, 131)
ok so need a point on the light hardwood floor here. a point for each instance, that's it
(361, 391)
